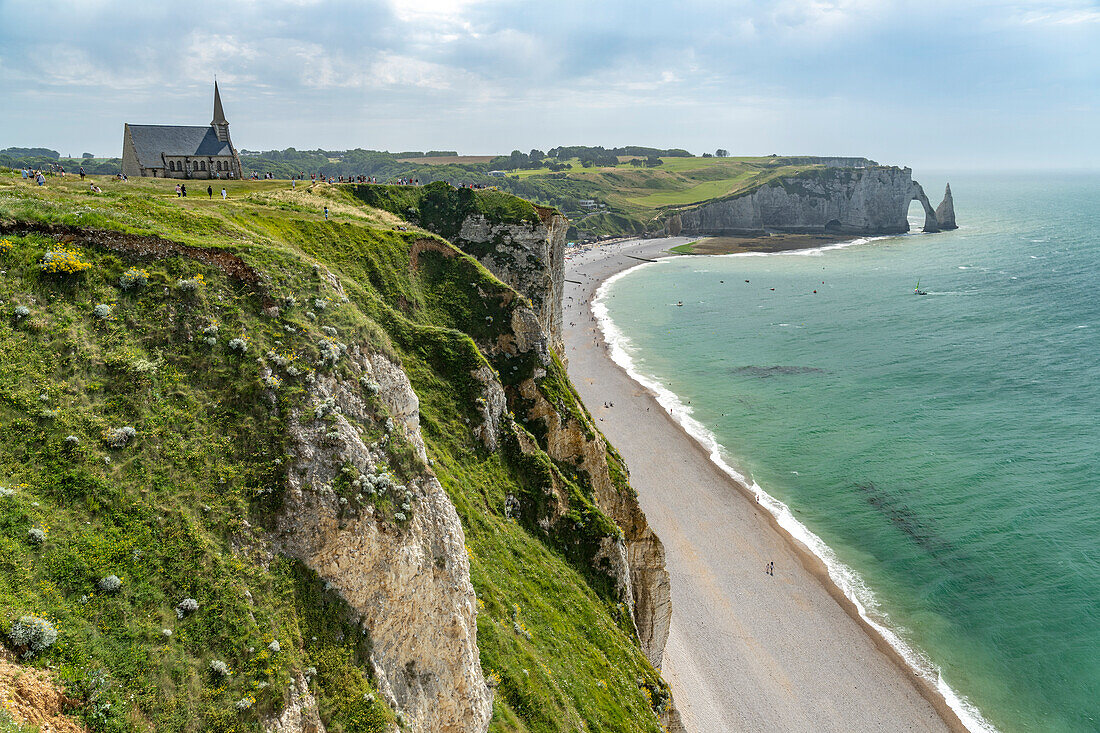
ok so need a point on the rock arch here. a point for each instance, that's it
(939, 219)
(931, 224)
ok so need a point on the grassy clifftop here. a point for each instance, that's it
(636, 199)
(196, 323)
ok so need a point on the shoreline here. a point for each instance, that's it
(695, 704)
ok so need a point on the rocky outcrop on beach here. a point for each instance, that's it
(868, 200)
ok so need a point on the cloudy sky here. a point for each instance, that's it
(935, 83)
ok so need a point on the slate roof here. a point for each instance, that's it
(152, 140)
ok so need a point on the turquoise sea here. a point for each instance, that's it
(946, 447)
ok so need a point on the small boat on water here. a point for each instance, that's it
(680, 303)
(918, 291)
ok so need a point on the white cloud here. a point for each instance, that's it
(1068, 16)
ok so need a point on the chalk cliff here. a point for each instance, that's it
(529, 256)
(945, 212)
(346, 427)
(868, 200)
(405, 573)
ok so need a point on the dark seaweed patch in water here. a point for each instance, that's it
(902, 517)
(764, 372)
(962, 579)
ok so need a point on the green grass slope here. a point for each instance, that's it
(181, 511)
(637, 199)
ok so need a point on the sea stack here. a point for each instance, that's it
(945, 212)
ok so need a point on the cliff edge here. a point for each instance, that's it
(270, 471)
(866, 201)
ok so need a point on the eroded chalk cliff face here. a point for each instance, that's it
(407, 576)
(871, 200)
(390, 544)
(527, 256)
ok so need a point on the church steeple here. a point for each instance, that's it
(219, 123)
(219, 116)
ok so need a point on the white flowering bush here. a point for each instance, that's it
(186, 606)
(320, 304)
(190, 284)
(133, 278)
(369, 385)
(218, 668)
(166, 633)
(22, 311)
(5, 492)
(110, 584)
(239, 345)
(36, 536)
(274, 646)
(72, 441)
(331, 351)
(102, 311)
(329, 331)
(144, 366)
(118, 437)
(245, 703)
(34, 634)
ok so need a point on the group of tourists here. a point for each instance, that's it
(37, 176)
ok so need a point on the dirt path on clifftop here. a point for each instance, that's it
(746, 652)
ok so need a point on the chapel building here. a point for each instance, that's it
(181, 151)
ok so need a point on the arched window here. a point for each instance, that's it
(202, 165)
(171, 165)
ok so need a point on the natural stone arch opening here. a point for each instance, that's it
(915, 216)
(833, 226)
(930, 222)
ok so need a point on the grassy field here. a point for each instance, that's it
(639, 198)
(182, 510)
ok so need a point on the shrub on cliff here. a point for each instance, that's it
(118, 437)
(110, 584)
(32, 634)
(133, 278)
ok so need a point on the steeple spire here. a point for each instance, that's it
(219, 115)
